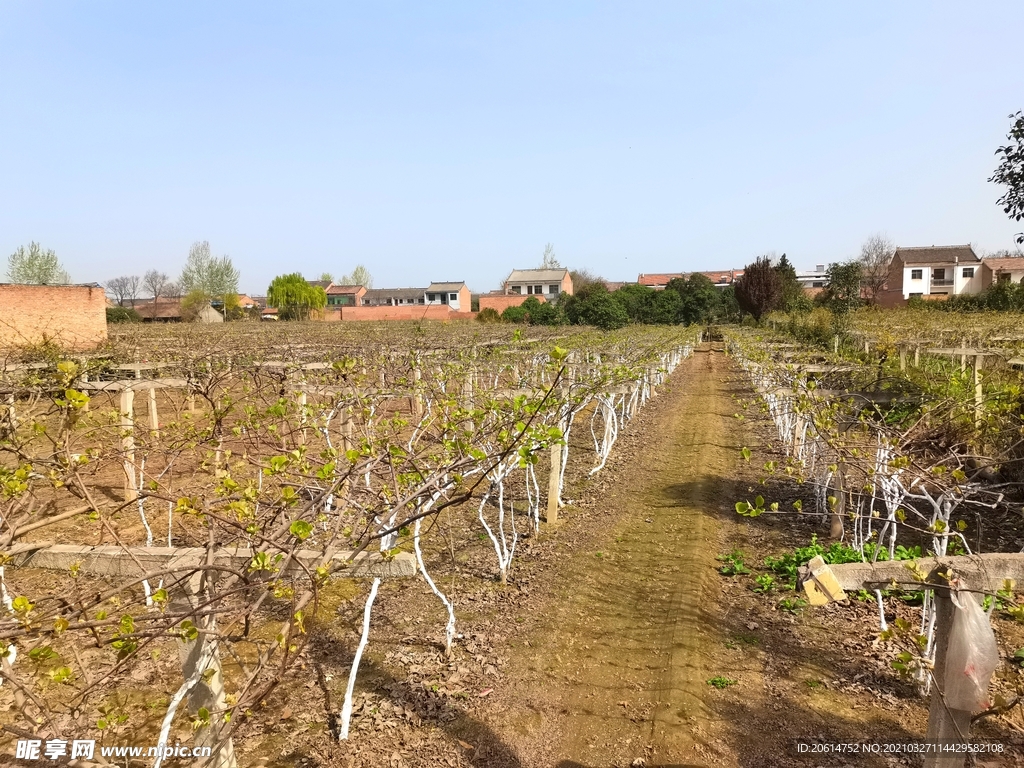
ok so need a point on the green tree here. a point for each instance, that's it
(637, 301)
(122, 315)
(358, 276)
(581, 278)
(842, 293)
(213, 276)
(666, 308)
(595, 306)
(759, 289)
(34, 266)
(699, 299)
(192, 304)
(793, 297)
(1011, 172)
(294, 297)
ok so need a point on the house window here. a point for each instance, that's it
(1004, 277)
(968, 272)
(444, 298)
(915, 274)
(453, 297)
(938, 273)
(430, 297)
(516, 289)
(552, 289)
(538, 289)
(818, 284)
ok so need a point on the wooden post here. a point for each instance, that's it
(553, 481)
(154, 417)
(903, 359)
(917, 357)
(963, 356)
(798, 436)
(131, 491)
(835, 344)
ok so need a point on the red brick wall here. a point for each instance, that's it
(74, 316)
(502, 302)
(402, 312)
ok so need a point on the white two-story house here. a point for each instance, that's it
(934, 271)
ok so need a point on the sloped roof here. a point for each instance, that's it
(375, 294)
(343, 290)
(162, 309)
(721, 276)
(937, 254)
(445, 287)
(1005, 263)
(325, 284)
(536, 275)
(657, 278)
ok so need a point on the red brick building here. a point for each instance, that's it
(73, 316)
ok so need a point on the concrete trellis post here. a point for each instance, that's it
(824, 583)
(131, 491)
(977, 390)
(553, 482)
(417, 398)
(154, 416)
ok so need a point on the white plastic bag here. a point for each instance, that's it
(972, 655)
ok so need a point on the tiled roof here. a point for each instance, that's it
(536, 275)
(657, 278)
(377, 294)
(443, 287)
(325, 284)
(163, 309)
(343, 290)
(1005, 264)
(938, 254)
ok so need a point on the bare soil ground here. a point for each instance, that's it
(599, 650)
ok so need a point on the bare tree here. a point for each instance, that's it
(549, 260)
(875, 257)
(156, 282)
(124, 288)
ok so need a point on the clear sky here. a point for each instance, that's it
(451, 141)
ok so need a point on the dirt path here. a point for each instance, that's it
(618, 666)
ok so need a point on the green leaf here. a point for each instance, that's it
(301, 530)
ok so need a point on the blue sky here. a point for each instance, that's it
(452, 141)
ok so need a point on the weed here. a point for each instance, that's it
(732, 564)
(720, 682)
(765, 583)
(791, 604)
(812, 684)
